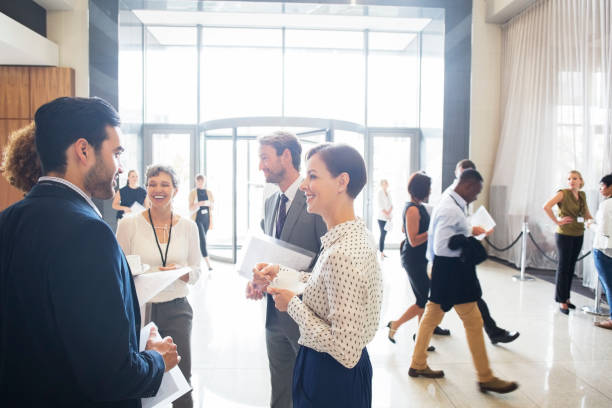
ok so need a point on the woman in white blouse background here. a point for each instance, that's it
(166, 241)
(339, 312)
(385, 214)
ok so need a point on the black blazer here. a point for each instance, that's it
(69, 315)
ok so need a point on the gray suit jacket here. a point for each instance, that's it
(302, 229)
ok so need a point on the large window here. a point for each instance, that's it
(241, 73)
(325, 74)
(170, 75)
(393, 80)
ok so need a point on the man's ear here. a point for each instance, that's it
(82, 150)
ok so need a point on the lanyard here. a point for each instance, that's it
(458, 205)
(161, 255)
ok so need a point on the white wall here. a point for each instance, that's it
(485, 95)
(70, 31)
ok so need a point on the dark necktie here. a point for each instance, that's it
(282, 215)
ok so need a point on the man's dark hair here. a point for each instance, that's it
(341, 158)
(470, 176)
(63, 121)
(419, 185)
(466, 164)
(281, 140)
(607, 180)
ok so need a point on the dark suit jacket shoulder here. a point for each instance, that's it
(68, 309)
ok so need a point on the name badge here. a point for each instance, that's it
(204, 211)
(580, 219)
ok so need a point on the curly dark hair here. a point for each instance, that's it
(21, 164)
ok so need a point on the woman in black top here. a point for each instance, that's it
(200, 204)
(413, 249)
(128, 195)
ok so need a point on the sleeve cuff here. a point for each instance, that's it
(293, 308)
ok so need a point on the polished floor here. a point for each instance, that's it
(559, 361)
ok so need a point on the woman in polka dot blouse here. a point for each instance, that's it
(339, 311)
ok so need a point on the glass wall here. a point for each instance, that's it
(377, 80)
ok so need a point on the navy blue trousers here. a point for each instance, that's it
(319, 381)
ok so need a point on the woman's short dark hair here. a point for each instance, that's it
(419, 185)
(341, 158)
(63, 121)
(281, 140)
(607, 180)
(154, 170)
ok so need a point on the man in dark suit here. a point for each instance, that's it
(69, 316)
(285, 218)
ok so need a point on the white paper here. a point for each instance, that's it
(136, 208)
(482, 218)
(173, 383)
(150, 284)
(263, 248)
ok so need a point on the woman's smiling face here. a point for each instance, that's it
(160, 189)
(320, 187)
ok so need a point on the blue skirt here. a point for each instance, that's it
(319, 381)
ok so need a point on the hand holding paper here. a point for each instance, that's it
(482, 223)
(264, 274)
(165, 347)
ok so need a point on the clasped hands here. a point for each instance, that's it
(263, 275)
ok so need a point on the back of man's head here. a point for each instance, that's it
(464, 165)
(281, 140)
(470, 176)
(63, 121)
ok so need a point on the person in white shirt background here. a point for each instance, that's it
(166, 241)
(385, 214)
(339, 311)
(602, 245)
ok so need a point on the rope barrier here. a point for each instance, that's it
(550, 258)
(506, 248)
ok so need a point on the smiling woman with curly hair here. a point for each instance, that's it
(20, 164)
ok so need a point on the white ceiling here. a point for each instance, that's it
(335, 22)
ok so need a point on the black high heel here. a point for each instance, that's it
(391, 332)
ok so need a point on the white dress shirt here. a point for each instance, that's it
(290, 193)
(136, 237)
(340, 307)
(384, 203)
(603, 225)
(448, 219)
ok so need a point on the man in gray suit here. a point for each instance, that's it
(285, 218)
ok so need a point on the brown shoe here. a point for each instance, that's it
(604, 324)
(498, 385)
(426, 372)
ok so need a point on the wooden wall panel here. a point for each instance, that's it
(48, 83)
(8, 193)
(14, 92)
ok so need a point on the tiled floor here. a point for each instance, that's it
(559, 361)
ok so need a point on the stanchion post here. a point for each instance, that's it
(596, 308)
(523, 277)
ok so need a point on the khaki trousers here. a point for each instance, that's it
(472, 322)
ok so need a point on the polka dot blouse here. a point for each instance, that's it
(340, 307)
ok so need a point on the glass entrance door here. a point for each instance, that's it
(395, 157)
(173, 146)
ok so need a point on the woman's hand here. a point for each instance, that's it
(263, 274)
(281, 297)
(565, 220)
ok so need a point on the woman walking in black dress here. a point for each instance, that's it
(200, 204)
(412, 251)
